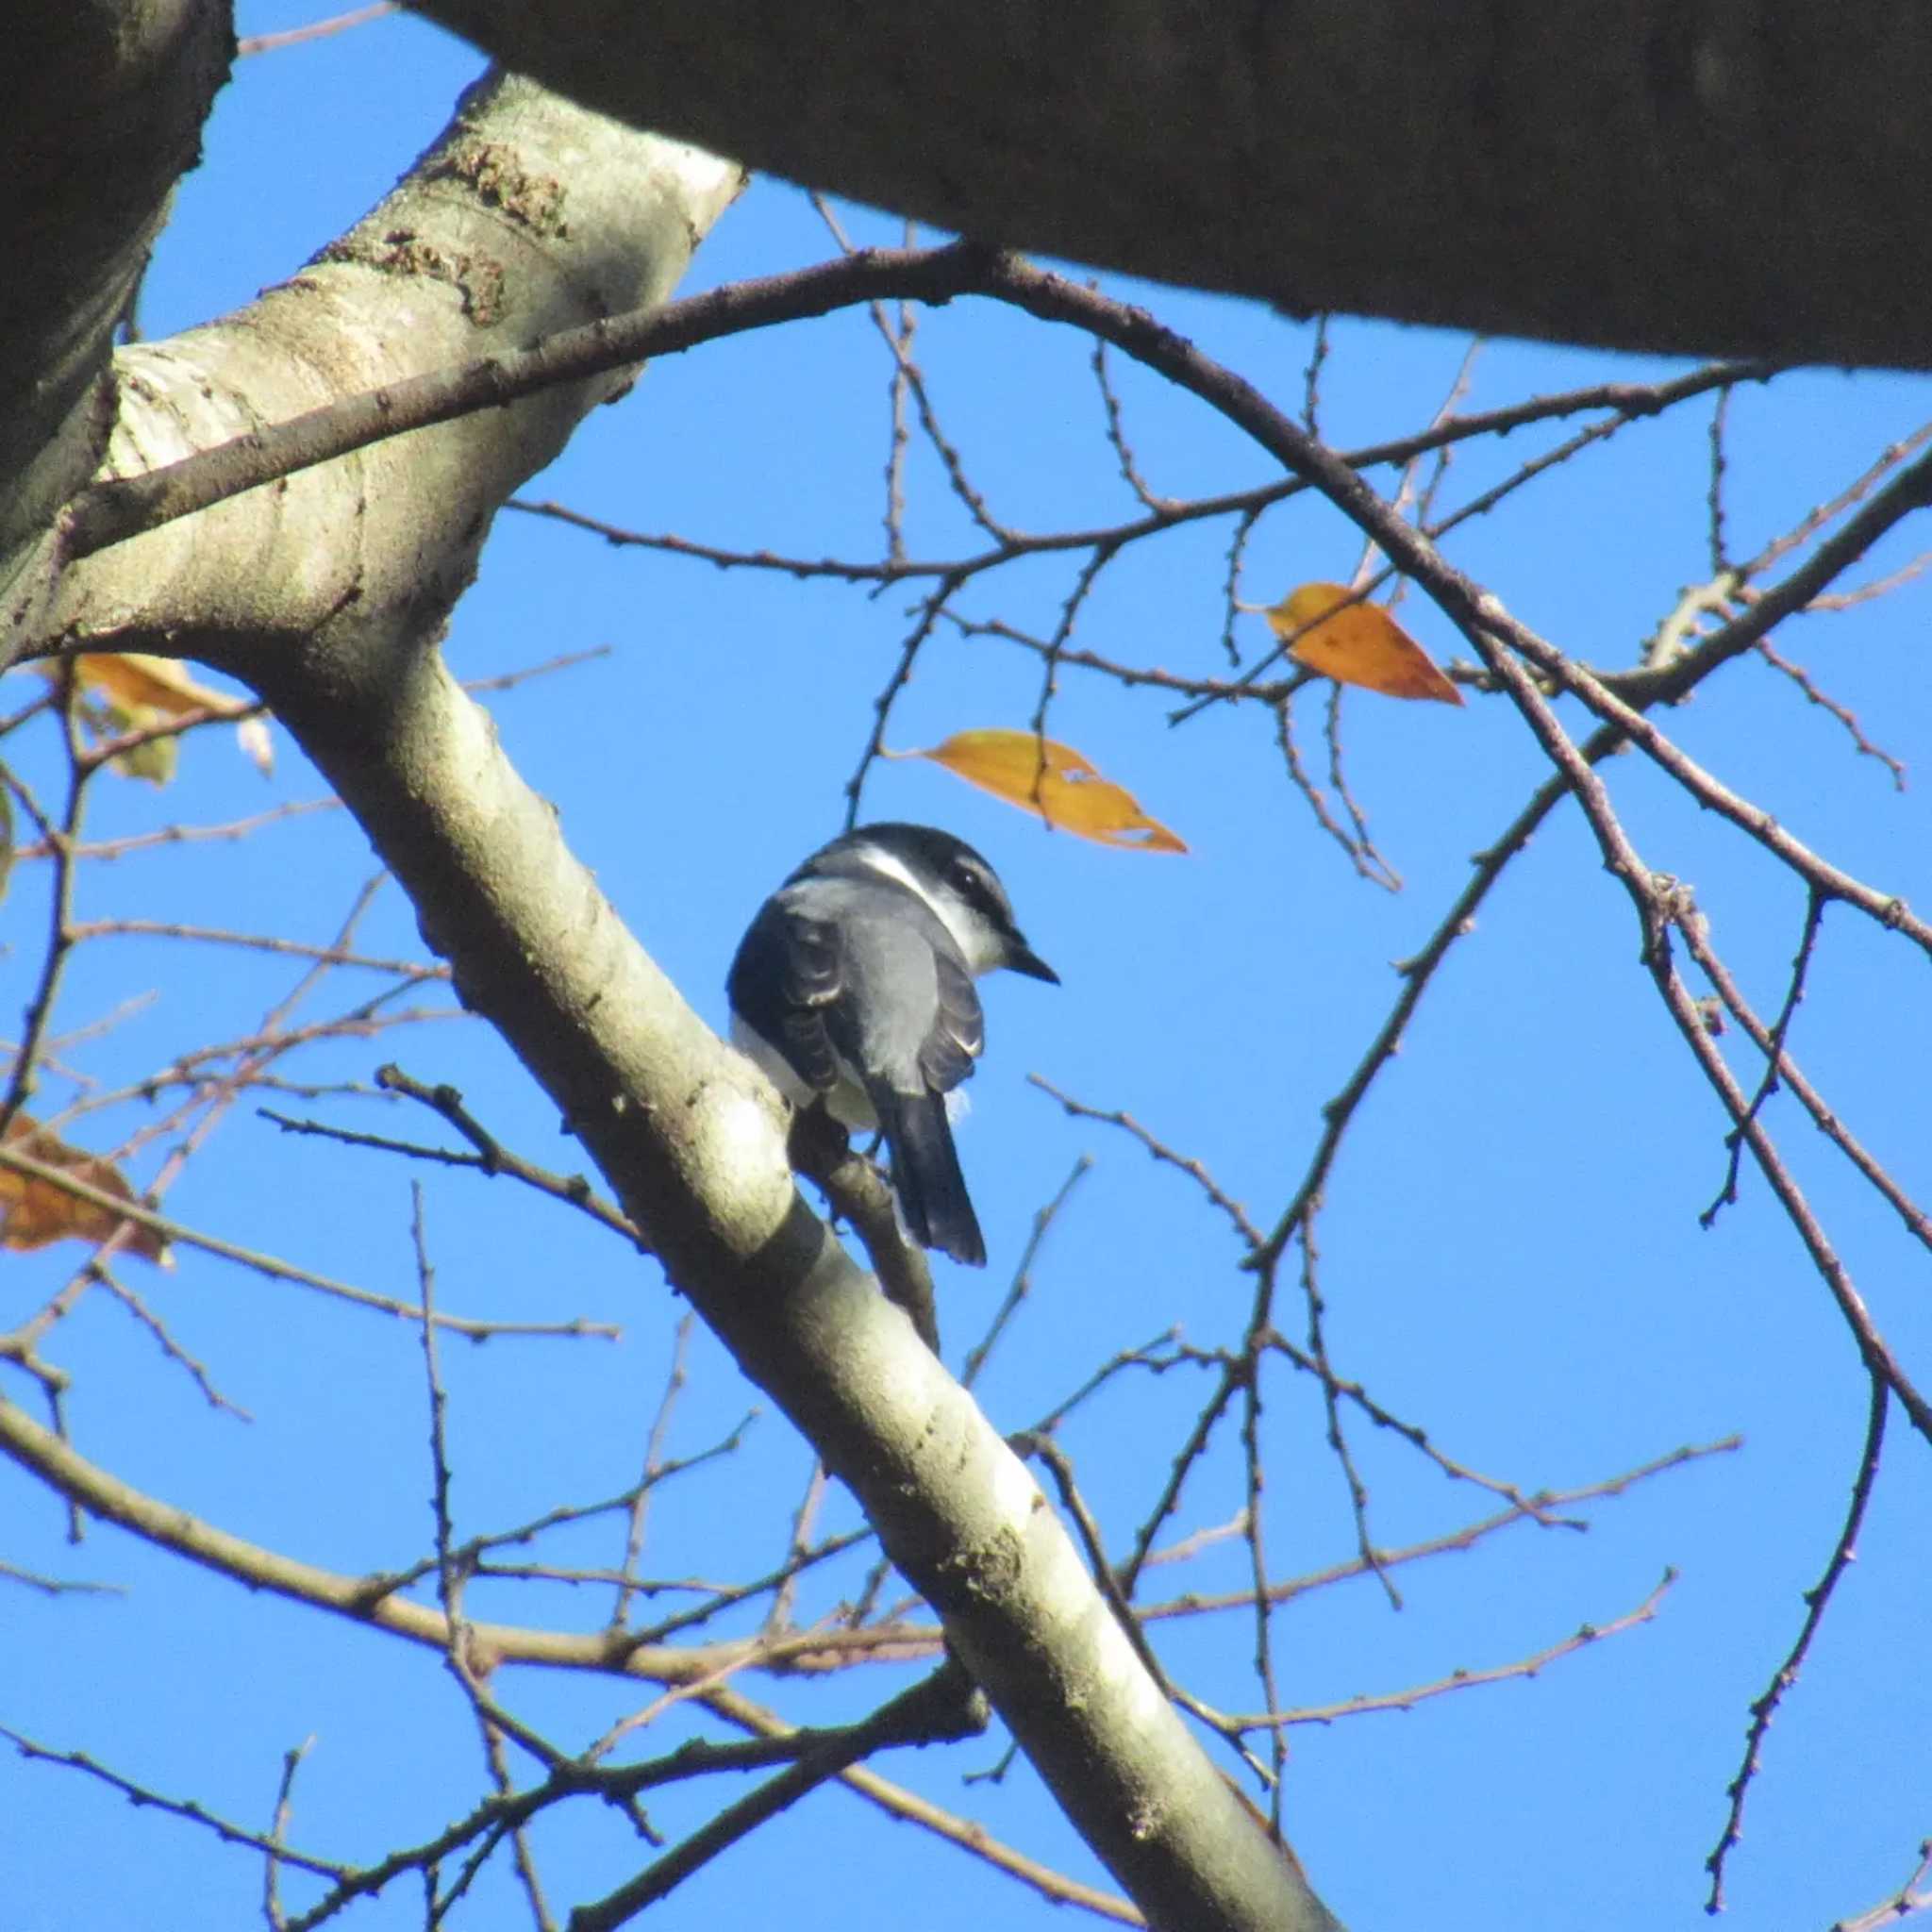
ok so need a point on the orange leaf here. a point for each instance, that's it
(1053, 781)
(34, 1213)
(1360, 645)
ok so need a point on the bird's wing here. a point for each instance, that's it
(909, 1016)
(907, 1012)
(957, 1033)
(788, 974)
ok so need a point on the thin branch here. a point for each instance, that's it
(798, 1540)
(1022, 1284)
(1331, 1407)
(315, 30)
(1311, 376)
(1918, 1223)
(1714, 495)
(1031, 1443)
(1914, 1895)
(1468, 1680)
(196, 1814)
(1117, 436)
(236, 829)
(1367, 862)
(57, 1586)
(416, 971)
(197, 1371)
(1854, 730)
(655, 1439)
(1417, 973)
(508, 680)
(1861, 487)
(490, 1158)
(1774, 1048)
(1142, 1356)
(963, 1833)
(1254, 1536)
(180, 1234)
(900, 676)
(1817, 1601)
(1158, 1151)
(1412, 1433)
(507, 1812)
(278, 1834)
(1536, 1510)
(1188, 1454)
(942, 1707)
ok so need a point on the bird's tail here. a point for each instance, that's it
(927, 1177)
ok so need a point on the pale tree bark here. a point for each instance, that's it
(326, 591)
(1734, 176)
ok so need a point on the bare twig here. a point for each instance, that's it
(194, 1812)
(1117, 436)
(1542, 1509)
(1914, 1895)
(1817, 1601)
(1918, 1223)
(1338, 1436)
(57, 1586)
(1022, 1284)
(315, 30)
(278, 1834)
(490, 1156)
(174, 1231)
(1467, 1679)
(1774, 1044)
(654, 1452)
(943, 1706)
(1854, 730)
(1160, 1152)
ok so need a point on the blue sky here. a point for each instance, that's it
(1510, 1247)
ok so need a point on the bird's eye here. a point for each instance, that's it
(970, 883)
(980, 891)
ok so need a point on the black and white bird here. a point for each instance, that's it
(854, 985)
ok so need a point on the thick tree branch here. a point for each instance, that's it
(1740, 176)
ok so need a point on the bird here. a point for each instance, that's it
(854, 985)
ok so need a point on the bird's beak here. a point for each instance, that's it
(1021, 957)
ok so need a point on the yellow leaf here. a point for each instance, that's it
(1360, 645)
(34, 1213)
(155, 760)
(1053, 781)
(133, 681)
(131, 692)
